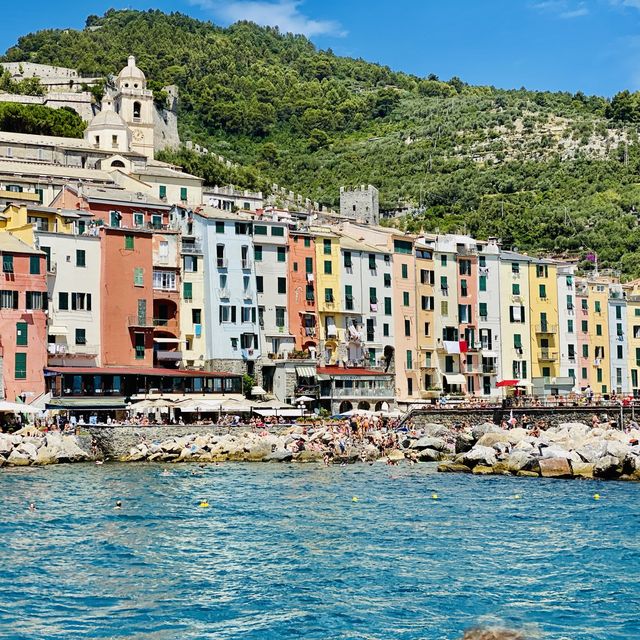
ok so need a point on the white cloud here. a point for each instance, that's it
(285, 14)
(564, 9)
(635, 4)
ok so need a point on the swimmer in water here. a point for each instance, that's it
(32, 506)
(118, 504)
(165, 472)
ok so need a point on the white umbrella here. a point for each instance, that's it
(193, 405)
(304, 399)
(17, 407)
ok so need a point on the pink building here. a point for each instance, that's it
(467, 289)
(23, 331)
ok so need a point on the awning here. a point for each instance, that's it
(57, 331)
(90, 404)
(306, 372)
(258, 391)
(507, 383)
(455, 378)
(168, 340)
(284, 413)
(451, 346)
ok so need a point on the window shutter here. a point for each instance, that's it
(73, 301)
(88, 302)
(233, 314)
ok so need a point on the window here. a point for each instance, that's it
(387, 279)
(257, 253)
(464, 268)
(308, 265)
(81, 301)
(444, 285)
(427, 331)
(187, 291)
(407, 328)
(81, 336)
(515, 289)
(596, 305)
(405, 298)
(280, 315)
(310, 294)
(427, 303)
(81, 258)
(260, 284)
(22, 332)
(114, 218)
(295, 266)
(7, 263)
(483, 310)
(327, 247)
(515, 267)
(405, 271)
(599, 374)
(443, 261)
(598, 329)
(138, 277)
(348, 297)
(402, 246)
(138, 219)
(464, 292)
(139, 345)
(128, 241)
(259, 230)
(571, 351)
(619, 331)
(183, 194)
(164, 280)
(373, 296)
(517, 341)
(36, 301)
(618, 312)
(569, 302)
(583, 373)
(444, 308)
(191, 264)
(584, 326)
(277, 231)
(347, 260)
(585, 350)
(569, 326)
(542, 291)
(483, 283)
(584, 304)
(619, 352)
(63, 301)
(220, 227)
(542, 271)
(21, 366)
(34, 265)
(409, 359)
(328, 295)
(387, 306)
(226, 314)
(385, 330)
(372, 261)
(482, 261)
(516, 314)
(327, 267)
(247, 314)
(282, 254)
(282, 285)
(307, 242)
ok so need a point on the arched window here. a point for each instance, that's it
(137, 107)
(117, 163)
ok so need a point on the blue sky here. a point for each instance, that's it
(570, 45)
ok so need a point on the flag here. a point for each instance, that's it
(591, 257)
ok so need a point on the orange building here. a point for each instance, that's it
(301, 301)
(127, 297)
(23, 330)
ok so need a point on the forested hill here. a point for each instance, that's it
(544, 171)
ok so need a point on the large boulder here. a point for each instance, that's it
(308, 456)
(395, 455)
(518, 460)
(487, 427)
(18, 459)
(617, 449)
(490, 439)
(28, 449)
(46, 455)
(592, 451)
(433, 430)
(3, 461)
(279, 456)
(6, 445)
(607, 467)
(555, 468)
(482, 470)
(371, 452)
(479, 455)
(453, 467)
(427, 442)
(582, 469)
(464, 442)
(430, 455)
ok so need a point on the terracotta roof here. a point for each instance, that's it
(142, 371)
(351, 371)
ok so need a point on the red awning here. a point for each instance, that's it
(507, 383)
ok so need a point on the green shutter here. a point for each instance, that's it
(483, 283)
(387, 306)
(183, 194)
(34, 265)
(163, 192)
(483, 310)
(22, 331)
(138, 276)
(20, 366)
(128, 242)
(187, 290)
(308, 265)
(7, 263)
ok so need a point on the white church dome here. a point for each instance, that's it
(107, 118)
(131, 77)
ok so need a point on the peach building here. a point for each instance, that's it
(301, 302)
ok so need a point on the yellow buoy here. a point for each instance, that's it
(204, 504)
(596, 496)
(434, 496)
(516, 497)
(355, 499)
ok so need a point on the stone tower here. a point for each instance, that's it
(360, 204)
(134, 103)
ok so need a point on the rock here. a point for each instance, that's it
(555, 468)
(46, 455)
(523, 445)
(464, 442)
(6, 445)
(527, 474)
(429, 455)
(482, 470)
(517, 461)
(479, 455)
(427, 442)
(592, 452)
(487, 427)
(501, 469)
(371, 452)
(28, 449)
(308, 456)
(3, 461)
(432, 430)
(396, 455)
(452, 467)
(607, 467)
(582, 469)
(279, 456)
(617, 449)
(18, 459)
(491, 438)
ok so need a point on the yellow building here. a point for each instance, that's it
(632, 290)
(600, 378)
(329, 295)
(543, 311)
(425, 321)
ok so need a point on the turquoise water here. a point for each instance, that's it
(285, 552)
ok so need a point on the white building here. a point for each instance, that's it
(618, 340)
(567, 320)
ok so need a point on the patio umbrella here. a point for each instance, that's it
(507, 383)
(304, 399)
(17, 407)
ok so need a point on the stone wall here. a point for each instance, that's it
(551, 415)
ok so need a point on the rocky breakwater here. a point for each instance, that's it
(21, 450)
(569, 450)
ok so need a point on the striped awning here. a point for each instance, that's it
(306, 372)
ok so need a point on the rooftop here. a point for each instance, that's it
(10, 244)
(353, 371)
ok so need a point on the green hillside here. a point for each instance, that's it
(544, 171)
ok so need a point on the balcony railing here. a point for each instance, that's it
(546, 355)
(224, 293)
(249, 354)
(165, 322)
(546, 328)
(246, 263)
(355, 392)
(192, 247)
(140, 321)
(168, 356)
(222, 263)
(71, 350)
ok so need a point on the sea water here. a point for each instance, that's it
(305, 551)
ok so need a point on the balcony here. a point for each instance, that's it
(546, 328)
(140, 321)
(249, 354)
(166, 324)
(546, 355)
(222, 263)
(224, 294)
(168, 356)
(489, 369)
(355, 392)
(428, 394)
(73, 350)
(309, 332)
(192, 247)
(246, 263)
